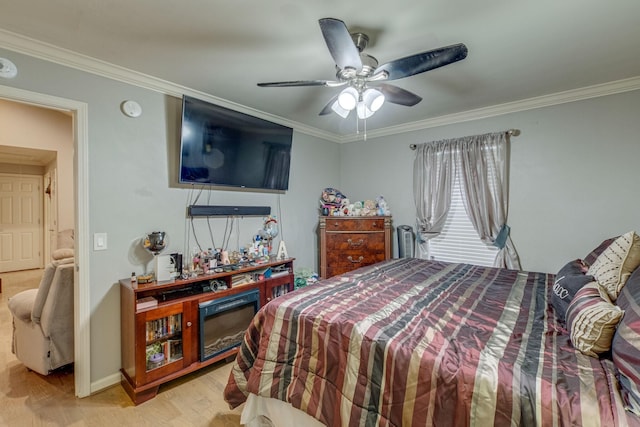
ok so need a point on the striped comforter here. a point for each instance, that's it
(411, 342)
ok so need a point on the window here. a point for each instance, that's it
(451, 174)
(459, 241)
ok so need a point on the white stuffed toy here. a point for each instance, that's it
(383, 208)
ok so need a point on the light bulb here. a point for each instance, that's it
(373, 99)
(339, 110)
(348, 98)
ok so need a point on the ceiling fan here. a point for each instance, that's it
(364, 78)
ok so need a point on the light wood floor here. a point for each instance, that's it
(30, 399)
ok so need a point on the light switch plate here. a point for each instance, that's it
(99, 241)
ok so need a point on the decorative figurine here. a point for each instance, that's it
(268, 233)
(383, 208)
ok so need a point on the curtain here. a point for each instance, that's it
(433, 174)
(484, 180)
(481, 164)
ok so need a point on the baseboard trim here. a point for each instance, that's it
(105, 382)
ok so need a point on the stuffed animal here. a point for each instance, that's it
(369, 208)
(344, 207)
(357, 209)
(383, 208)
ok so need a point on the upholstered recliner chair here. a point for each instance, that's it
(43, 318)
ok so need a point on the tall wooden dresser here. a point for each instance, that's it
(347, 243)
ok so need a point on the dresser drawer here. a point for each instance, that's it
(355, 243)
(354, 261)
(342, 263)
(372, 224)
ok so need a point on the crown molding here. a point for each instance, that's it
(49, 52)
(68, 58)
(611, 88)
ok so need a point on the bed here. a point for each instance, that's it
(414, 342)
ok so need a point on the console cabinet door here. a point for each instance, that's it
(166, 347)
(276, 287)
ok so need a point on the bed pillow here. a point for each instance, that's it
(614, 266)
(594, 254)
(625, 348)
(569, 280)
(592, 320)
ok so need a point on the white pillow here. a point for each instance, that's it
(62, 253)
(592, 320)
(614, 266)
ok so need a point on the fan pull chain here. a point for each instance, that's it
(364, 127)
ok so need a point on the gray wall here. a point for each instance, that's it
(130, 191)
(574, 174)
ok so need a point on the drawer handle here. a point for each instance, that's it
(355, 244)
(355, 261)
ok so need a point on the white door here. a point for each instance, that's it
(20, 222)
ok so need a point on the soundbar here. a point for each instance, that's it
(208, 210)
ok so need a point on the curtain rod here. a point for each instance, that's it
(510, 132)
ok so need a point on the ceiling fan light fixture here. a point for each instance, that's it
(339, 110)
(363, 111)
(355, 69)
(348, 98)
(373, 99)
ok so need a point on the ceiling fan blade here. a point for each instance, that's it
(397, 95)
(327, 108)
(421, 62)
(300, 83)
(340, 44)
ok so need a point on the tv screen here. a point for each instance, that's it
(223, 147)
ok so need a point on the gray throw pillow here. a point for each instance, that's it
(569, 280)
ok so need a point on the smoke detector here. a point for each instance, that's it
(8, 69)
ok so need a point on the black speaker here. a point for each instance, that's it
(208, 210)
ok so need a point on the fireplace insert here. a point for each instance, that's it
(223, 322)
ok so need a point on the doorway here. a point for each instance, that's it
(79, 113)
(21, 222)
(28, 205)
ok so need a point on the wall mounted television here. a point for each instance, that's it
(227, 148)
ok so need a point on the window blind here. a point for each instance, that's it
(459, 241)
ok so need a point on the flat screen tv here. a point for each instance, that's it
(223, 147)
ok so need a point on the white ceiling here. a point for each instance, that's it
(518, 50)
